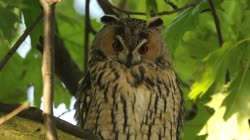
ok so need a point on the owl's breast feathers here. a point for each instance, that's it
(142, 102)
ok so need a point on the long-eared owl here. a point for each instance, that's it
(130, 90)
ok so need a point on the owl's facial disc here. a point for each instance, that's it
(130, 56)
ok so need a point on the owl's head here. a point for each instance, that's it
(131, 41)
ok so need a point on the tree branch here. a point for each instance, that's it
(219, 33)
(86, 36)
(216, 22)
(107, 4)
(20, 41)
(106, 7)
(180, 9)
(171, 4)
(35, 114)
(65, 68)
(126, 11)
(48, 68)
(14, 112)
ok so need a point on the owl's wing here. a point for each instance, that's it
(83, 100)
(181, 109)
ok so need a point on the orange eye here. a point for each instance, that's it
(117, 46)
(143, 49)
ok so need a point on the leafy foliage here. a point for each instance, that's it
(11, 82)
(215, 108)
(8, 29)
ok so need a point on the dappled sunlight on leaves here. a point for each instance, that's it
(213, 69)
(231, 106)
(235, 127)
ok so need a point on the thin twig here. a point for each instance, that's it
(216, 22)
(20, 41)
(127, 12)
(106, 7)
(180, 9)
(67, 111)
(48, 68)
(70, 76)
(160, 13)
(171, 4)
(14, 112)
(219, 33)
(86, 37)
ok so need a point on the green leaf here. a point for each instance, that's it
(244, 25)
(184, 21)
(239, 95)
(71, 30)
(151, 6)
(234, 126)
(214, 69)
(8, 21)
(15, 3)
(196, 116)
(31, 12)
(13, 88)
(237, 102)
(234, 97)
(61, 94)
(32, 64)
(193, 127)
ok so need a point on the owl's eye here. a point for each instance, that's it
(143, 49)
(117, 46)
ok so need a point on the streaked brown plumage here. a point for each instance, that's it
(130, 90)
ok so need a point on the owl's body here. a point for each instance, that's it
(130, 91)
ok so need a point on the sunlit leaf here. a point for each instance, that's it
(239, 95)
(234, 127)
(214, 69)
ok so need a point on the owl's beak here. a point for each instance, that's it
(128, 64)
(129, 56)
(132, 59)
(128, 60)
(133, 56)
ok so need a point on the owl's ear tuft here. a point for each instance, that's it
(108, 19)
(155, 22)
